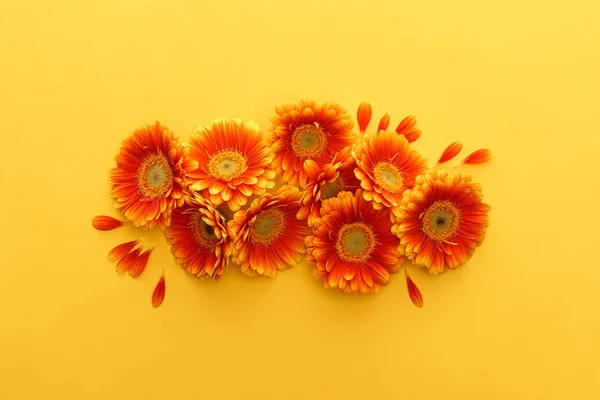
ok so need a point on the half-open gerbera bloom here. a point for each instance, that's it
(149, 179)
(326, 182)
(387, 166)
(198, 238)
(307, 131)
(234, 162)
(268, 237)
(352, 246)
(441, 220)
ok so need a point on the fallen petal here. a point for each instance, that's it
(413, 291)
(158, 295)
(364, 115)
(105, 223)
(121, 250)
(451, 151)
(478, 157)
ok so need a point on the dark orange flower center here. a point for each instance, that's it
(441, 220)
(203, 233)
(355, 242)
(155, 176)
(332, 189)
(309, 141)
(267, 226)
(227, 165)
(388, 177)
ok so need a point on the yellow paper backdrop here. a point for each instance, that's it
(520, 321)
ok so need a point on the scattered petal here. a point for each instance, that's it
(384, 123)
(451, 151)
(121, 250)
(413, 291)
(158, 296)
(478, 157)
(105, 223)
(408, 128)
(364, 115)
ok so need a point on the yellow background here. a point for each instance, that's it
(520, 321)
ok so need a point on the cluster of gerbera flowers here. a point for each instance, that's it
(355, 203)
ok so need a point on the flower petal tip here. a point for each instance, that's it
(413, 291)
(384, 123)
(106, 223)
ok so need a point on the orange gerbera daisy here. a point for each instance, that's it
(234, 162)
(268, 237)
(198, 238)
(387, 166)
(326, 182)
(307, 131)
(441, 220)
(149, 179)
(352, 245)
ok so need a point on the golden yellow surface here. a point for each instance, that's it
(519, 321)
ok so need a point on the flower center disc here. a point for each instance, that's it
(441, 220)
(227, 165)
(155, 176)
(203, 233)
(309, 141)
(355, 242)
(388, 177)
(267, 226)
(332, 189)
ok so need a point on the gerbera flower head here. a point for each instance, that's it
(149, 180)
(268, 237)
(234, 163)
(441, 220)
(199, 240)
(326, 182)
(352, 246)
(307, 131)
(387, 166)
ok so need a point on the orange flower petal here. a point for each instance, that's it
(451, 151)
(478, 157)
(384, 123)
(158, 296)
(121, 250)
(408, 128)
(105, 223)
(364, 115)
(413, 291)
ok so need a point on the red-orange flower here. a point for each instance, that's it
(198, 238)
(234, 162)
(352, 245)
(441, 220)
(268, 237)
(326, 182)
(387, 166)
(149, 179)
(307, 131)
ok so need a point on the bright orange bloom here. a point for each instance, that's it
(268, 237)
(307, 131)
(234, 162)
(326, 182)
(441, 220)
(387, 166)
(408, 128)
(149, 180)
(105, 223)
(352, 245)
(198, 239)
